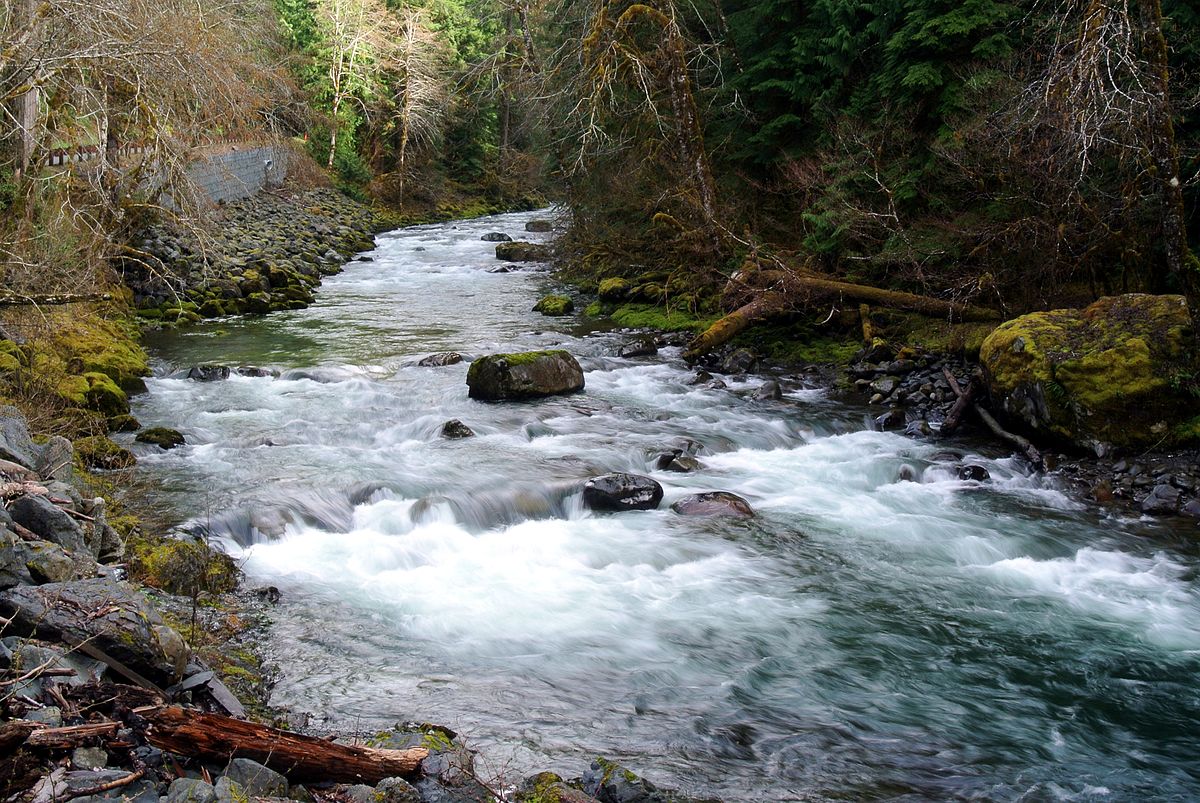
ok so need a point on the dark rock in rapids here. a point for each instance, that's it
(1163, 500)
(456, 429)
(554, 305)
(442, 358)
(524, 375)
(639, 348)
(496, 237)
(108, 615)
(769, 391)
(616, 492)
(162, 437)
(677, 460)
(539, 226)
(973, 472)
(713, 503)
(208, 373)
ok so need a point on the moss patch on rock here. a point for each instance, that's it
(554, 305)
(98, 452)
(1123, 370)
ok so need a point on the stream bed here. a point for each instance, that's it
(862, 638)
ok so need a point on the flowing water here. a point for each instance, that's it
(863, 637)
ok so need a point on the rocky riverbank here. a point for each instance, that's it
(263, 253)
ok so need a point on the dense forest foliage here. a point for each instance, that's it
(1010, 153)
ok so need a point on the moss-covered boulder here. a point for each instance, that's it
(162, 437)
(98, 452)
(524, 375)
(518, 251)
(554, 305)
(1122, 371)
(614, 289)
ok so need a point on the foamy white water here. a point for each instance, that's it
(863, 637)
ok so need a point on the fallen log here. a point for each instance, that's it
(1031, 452)
(301, 758)
(13, 735)
(963, 402)
(70, 736)
(786, 288)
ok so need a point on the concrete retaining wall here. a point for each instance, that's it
(238, 173)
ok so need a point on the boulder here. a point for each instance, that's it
(1121, 371)
(190, 790)
(609, 782)
(639, 348)
(739, 361)
(456, 429)
(554, 305)
(496, 237)
(15, 443)
(47, 521)
(524, 375)
(539, 226)
(395, 790)
(547, 787)
(208, 373)
(677, 460)
(442, 358)
(257, 780)
(1163, 500)
(713, 503)
(616, 492)
(614, 289)
(770, 390)
(98, 452)
(523, 252)
(973, 473)
(109, 615)
(162, 437)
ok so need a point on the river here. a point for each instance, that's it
(861, 638)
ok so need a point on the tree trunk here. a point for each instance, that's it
(789, 290)
(1164, 153)
(301, 758)
(27, 104)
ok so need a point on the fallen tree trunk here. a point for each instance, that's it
(301, 758)
(785, 288)
(70, 736)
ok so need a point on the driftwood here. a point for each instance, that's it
(71, 736)
(13, 735)
(100, 789)
(784, 288)
(219, 738)
(10, 299)
(966, 398)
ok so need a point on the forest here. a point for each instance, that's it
(1013, 155)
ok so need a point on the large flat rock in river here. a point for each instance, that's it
(524, 375)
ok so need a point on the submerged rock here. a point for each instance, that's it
(539, 226)
(496, 237)
(713, 503)
(440, 359)
(208, 373)
(524, 375)
(523, 252)
(162, 437)
(617, 492)
(639, 348)
(1118, 371)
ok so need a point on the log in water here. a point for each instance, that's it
(861, 636)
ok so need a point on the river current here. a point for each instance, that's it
(862, 638)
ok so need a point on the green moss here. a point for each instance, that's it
(180, 566)
(554, 305)
(646, 316)
(162, 437)
(594, 310)
(616, 289)
(98, 452)
(104, 396)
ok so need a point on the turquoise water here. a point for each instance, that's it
(862, 638)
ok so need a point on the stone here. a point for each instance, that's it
(396, 790)
(162, 437)
(918, 429)
(1191, 508)
(1163, 500)
(98, 452)
(639, 348)
(539, 226)
(524, 375)
(609, 782)
(1116, 372)
(769, 391)
(15, 443)
(740, 361)
(47, 521)
(359, 793)
(208, 373)
(257, 780)
(713, 503)
(619, 492)
(190, 790)
(973, 473)
(456, 429)
(49, 563)
(256, 371)
(440, 359)
(906, 473)
(229, 791)
(678, 461)
(884, 386)
(523, 252)
(554, 306)
(50, 716)
(110, 615)
(89, 758)
(547, 787)
(892, 419)
(496, 237)
(614, 289)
